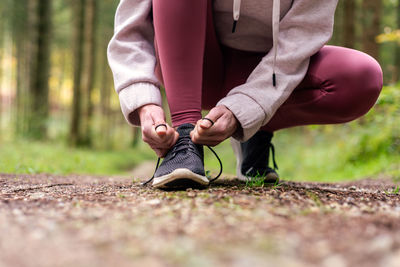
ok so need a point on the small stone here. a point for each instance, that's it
(37, 195)
(191, 194)
(153, 202)
(381, 244)
(17, 212)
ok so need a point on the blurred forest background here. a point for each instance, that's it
(60, 114)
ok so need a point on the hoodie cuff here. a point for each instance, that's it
(135, 96)
(247, 111)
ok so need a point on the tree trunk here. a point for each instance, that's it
(24, 17)
(105, 102)
(338, 25)
(371, 26)
(39, 87)
(349, 23)
(75, 128)
(397, 60)
(90, 58)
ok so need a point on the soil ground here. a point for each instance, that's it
(48, 220)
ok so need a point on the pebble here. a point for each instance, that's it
(153, 202)
(37, 195)
(191, 194)
(381, 243)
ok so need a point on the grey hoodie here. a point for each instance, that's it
(289, 40)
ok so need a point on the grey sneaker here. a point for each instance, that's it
(183, 166)
(252, 158)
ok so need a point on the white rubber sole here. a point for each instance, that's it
(180, 178)
(239, 159)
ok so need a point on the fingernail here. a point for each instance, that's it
(205, 124)
(161, 132)
(161, 127)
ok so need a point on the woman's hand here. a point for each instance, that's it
(162, 139)
(225, 124)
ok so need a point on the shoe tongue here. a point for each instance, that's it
(185, 129)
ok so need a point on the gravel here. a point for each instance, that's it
(48, 220)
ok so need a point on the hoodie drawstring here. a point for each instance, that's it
(236, 13)
(276, 10)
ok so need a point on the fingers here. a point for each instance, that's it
(161, 144)
(219, 116)
(165, 140)
(160, 152)
(205, 127)
(206, 123)
(210, 140)
(161, 128)
(156, 132)
(224, 126)
(211, 118)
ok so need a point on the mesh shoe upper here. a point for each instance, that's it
(256, 155)
(184, 154)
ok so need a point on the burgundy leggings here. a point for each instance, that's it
(341, 84)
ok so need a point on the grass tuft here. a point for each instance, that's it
(395, 191)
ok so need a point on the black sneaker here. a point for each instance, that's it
(252, 158)
(183, 166)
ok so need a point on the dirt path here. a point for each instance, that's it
(91, 221)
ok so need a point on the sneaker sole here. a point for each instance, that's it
(270, 178)
(180, 178)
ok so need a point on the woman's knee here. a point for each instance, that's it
(358, 82)
(368, 83)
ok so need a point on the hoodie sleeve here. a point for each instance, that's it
(304, 30)
(131, 56)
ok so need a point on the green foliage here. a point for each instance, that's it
(365, 147)
(389, 36)
(394, 191)
(382, 132)
(24, 156)
(258, 181)
(255, 181)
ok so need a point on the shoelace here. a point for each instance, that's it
(273, 156)
(184, 144)
(272, 148)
